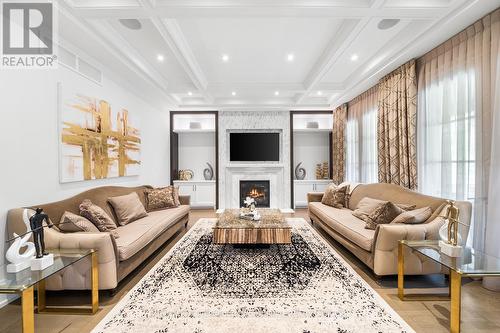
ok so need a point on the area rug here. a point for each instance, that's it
(304, 287)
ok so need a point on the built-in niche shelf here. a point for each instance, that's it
(310, 146)
(189, 130)
(193, 144)
(312, 130)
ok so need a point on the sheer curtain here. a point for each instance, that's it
(456, 92)
(361, 138)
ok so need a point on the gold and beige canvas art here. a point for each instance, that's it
(97, 140)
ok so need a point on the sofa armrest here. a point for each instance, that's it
(77, 276)
(385, 247)
(185, 199)
(314, 196)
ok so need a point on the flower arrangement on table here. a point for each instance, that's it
(250, 213)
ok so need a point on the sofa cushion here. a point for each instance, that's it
(96, 215)
(344, 223)
(336, 196)
(161, 198)
(73, 223)
(128, 208)
(383, 214)
(414, 216)
(134, 236)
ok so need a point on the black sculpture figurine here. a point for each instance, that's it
(36, 224)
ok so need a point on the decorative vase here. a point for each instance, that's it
(208, 173)
(300, 173)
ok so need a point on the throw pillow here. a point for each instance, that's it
(335, 196)
(73, 223)
(160, 198)
(97, 216)
(367, 205)
(414, 216)
(128, 208)
(384, 214)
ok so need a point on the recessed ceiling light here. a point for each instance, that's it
(190, 93)
(132, 24)
(233, 93)
(387, 23)
(290, 57)
(160, 57)
(354, 57)
(319, 93)
(276, 93)
(225, 58)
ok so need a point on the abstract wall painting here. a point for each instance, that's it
(97, 140)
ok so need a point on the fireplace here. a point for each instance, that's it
(257, 189)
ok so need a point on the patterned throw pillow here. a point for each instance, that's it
(414, 216)
(97, 216)
(160, 198)
(335, 196)
(384, 214)
(73, 223)
(367, 205)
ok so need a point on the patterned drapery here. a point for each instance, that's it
(397, 127)
(338, 143)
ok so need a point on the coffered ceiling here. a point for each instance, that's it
(259, 54)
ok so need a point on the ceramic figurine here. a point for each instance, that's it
(17, 260)
(208, 173)
(300, 173)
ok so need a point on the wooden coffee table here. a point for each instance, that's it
(271, 229)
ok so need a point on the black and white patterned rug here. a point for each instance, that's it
(304, 287)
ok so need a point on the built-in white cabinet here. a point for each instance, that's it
(302, 187)
(202, 193)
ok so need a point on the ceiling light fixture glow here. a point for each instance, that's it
(190, 93)
(354, 57)
(233, 93)
(225, 58)
(290, 57)
(276, 93)
(160, 57)
(319, 93)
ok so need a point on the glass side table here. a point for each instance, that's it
(472, 263)
(24, 282)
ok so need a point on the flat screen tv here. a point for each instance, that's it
(261, 147)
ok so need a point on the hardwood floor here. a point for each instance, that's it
(480, 307)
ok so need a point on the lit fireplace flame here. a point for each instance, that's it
(255, 193)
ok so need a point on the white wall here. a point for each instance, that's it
(29, 172)
(195, 149)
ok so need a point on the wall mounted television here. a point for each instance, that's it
(254, 147)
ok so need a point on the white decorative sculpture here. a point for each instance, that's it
(19, 261)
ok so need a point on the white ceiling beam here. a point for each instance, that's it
(149, 75)
(235, 10)
(348, 32)
(175, 40)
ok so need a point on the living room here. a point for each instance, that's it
(276, 166)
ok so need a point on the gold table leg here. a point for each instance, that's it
(401, 273)
(94, 282)
(455, 290)
(28, 315)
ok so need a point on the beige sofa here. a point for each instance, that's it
(378, 249)
(117, 257)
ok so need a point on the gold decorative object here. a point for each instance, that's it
(97, 142)
(186, 174)
(325, 170)
(452, 214)
(319, 171)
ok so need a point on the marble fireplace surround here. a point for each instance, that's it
(278, 173)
